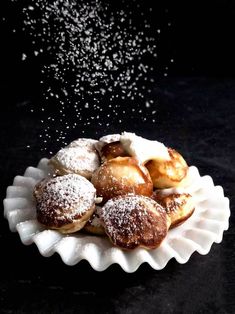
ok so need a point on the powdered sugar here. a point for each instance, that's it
(73, 158)
(177, 202)
(110, 138)
(91, 54)
(124, 214)
(95, 219)
(80, 156)
(87, 143)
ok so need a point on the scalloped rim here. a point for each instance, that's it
(198, 233)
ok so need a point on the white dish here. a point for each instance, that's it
(206, 226)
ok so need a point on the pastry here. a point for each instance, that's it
(94, 225)
(168, 173)
(64, 202)
(179, 206)
(106, 140)
(79, 157)
(123, 169)
(112, 150)
(120, 176)
(166, 166)
(132, 221)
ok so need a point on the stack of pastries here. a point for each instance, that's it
(122, 186)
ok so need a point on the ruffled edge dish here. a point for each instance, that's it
(206, 226)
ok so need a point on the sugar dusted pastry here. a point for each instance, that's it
(120, 176)
(179, 206)
(80, 157)
(94, 225)
(132, 221)
(65, 202)
(168, 173)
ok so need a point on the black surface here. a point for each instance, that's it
(195, 115)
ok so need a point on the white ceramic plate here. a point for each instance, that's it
(206, 226)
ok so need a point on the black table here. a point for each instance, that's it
(196, 115)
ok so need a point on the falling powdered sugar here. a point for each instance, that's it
(95, 58)
(98, 62)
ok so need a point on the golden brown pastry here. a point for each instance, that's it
(94, 225)
(112, 150)
(168, 173)
(179, 206)
(106, 139)
(120, 176)
(132, 221)
(65, 203)
(79, 157)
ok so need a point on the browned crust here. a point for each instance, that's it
(75, 225)
(94, 230)
(58, 220)
(109, 185)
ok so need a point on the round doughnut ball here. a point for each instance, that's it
(168, 173)
(120, 176)
(65, 202)
(132, 221)
(79, 157)
(179, 207)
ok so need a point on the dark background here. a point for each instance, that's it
(199, 39)
(195, 114)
